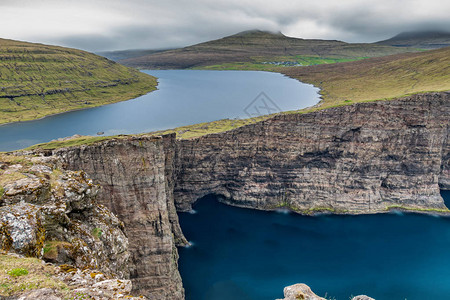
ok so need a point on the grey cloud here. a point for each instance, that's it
(128, 24)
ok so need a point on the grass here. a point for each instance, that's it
(21, 274)
(197, 130)
(184, 132)
(83, 140)
(38, 80)
(417, 209)
(16, 272)
(273, 64)
(381, 78)
(51, 249)
(97, 233)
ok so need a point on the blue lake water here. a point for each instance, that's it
(183, 97)
(244, 254)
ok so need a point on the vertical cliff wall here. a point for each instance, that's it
(132, 173)
(361, 158)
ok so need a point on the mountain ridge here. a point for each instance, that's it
(431, 39)
(259, 47)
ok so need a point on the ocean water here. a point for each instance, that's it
(183, 97)
(244, 254)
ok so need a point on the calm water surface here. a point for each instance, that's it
(244, 254)
(183, 97)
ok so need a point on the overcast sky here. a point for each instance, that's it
(97, 25)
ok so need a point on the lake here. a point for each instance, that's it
(183, 97)
(244, 254)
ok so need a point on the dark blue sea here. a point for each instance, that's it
(243, 254)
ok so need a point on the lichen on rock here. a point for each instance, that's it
(52, 213)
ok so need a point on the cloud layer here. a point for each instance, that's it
(97, 25)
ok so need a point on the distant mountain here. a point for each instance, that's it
(38, 80)
(257, 46)
(419, 39)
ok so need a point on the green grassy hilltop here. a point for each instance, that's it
(38, 80)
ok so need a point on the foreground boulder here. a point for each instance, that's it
(300, 291)
(362, 297)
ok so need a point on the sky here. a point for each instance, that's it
(100, 25)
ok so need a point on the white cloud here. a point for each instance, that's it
(123, 24)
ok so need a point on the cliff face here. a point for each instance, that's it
(132, 174)
(361, 158)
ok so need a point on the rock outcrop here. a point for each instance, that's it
(362, 297)
(302, 291)
(50, 213)
(299, 291)
(363, 158)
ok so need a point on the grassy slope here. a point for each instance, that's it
(378, 78)
(39, 276)
(38, 80)
(249, 50)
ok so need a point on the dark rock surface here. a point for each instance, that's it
(363, 158)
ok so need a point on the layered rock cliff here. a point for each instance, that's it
(135, 176)
(362, 158)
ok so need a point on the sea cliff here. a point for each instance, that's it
(364, 158)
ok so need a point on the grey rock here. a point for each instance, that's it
(362, 297)
(40, 294)
(299, 291)
(21, 229)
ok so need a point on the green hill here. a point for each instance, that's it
(260, 50)
(378, 78)
(38, 80)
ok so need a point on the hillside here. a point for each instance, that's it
(419, 39)
(38, 80)
(259, 50)
(378, 78)
(124, 54)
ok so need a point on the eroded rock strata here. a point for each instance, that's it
(362, 158)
